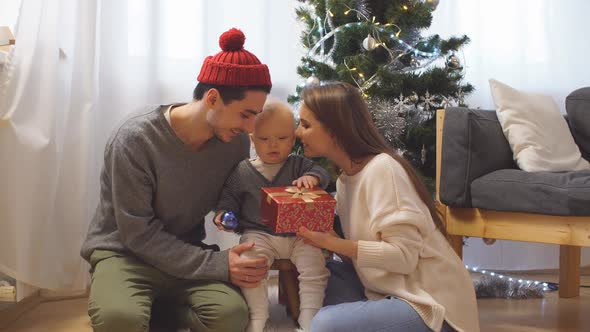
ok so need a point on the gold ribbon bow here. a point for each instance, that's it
(295, 192)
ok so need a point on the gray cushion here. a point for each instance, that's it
(473, 145)
(553, 193)
(577, 105)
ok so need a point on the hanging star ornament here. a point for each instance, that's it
(389, 118)
(401, 103)
(428, 101)
(446, 101)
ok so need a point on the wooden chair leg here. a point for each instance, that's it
(290, 284)
(282, 296)
(456, 242)
(569, 271)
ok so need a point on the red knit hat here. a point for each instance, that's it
(234, 66)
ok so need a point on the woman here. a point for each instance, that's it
(409, 277)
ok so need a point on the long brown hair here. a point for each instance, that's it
(342, 110)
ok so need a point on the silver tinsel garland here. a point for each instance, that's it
(507, 288)
(363, 9)
(389, 119)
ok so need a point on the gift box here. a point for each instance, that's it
(285, 209)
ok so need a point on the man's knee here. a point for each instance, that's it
(236, 311)
(231, 315)
(119, 318)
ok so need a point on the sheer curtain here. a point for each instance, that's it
(46, 113)
(78, 67)
(533, 45)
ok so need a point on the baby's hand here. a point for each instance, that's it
(307, 181)
(217, 222)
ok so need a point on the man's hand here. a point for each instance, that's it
(307, 181)
(246, 272)
(217, 222)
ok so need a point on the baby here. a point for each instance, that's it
(273, 139)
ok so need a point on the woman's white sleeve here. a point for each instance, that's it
(396, 225)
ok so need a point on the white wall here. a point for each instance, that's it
(534, 45)
(9, 13)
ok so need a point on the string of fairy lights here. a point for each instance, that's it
(404, 52)
(387, 36)
(521, 281)
(395, 47)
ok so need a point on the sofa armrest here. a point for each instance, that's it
(473, 145)
(577, 105)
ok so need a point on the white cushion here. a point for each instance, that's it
(537, 132)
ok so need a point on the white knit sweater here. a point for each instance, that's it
(400, 252)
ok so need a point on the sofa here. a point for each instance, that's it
(481, 192)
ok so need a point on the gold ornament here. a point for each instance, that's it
(454, 63)
(370, 43)
(432, 3)
(489, 242)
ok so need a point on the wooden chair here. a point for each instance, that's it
(288, 286)
(569, 232)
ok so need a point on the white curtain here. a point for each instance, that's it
(533, 45)
(46, 111)
(78, 67)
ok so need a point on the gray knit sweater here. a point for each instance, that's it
(155, 193)
(241, 193)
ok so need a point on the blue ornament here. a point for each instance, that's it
(229, 220)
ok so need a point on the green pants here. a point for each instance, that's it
(124, 288)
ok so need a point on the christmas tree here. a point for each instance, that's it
(377, 45)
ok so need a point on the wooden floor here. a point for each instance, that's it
(548, 314)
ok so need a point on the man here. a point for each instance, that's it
(163, 171)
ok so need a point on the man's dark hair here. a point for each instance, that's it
(228, 93)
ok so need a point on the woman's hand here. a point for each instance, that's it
(329, 241)
(317, 239)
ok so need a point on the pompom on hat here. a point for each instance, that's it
(234, 66)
